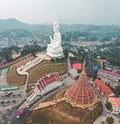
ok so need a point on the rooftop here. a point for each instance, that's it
(103, 88)
(77, 66)
(110, 73)
(81, 92)
(115, 102)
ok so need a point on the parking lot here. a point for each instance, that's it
(9, 99)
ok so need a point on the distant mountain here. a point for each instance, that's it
(12, 23)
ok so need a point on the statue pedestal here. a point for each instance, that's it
(55, 53)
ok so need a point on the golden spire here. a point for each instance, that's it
(83, 72)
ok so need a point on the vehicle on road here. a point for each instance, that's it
(20, 113)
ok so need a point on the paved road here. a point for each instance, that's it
(14, 120)
(103, 118)
(9, 99)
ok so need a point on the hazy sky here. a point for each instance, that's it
(72, 11)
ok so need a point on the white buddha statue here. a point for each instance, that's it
(54, 49)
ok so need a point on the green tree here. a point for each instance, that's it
(6, 53)
(110, 120)
(117, 90)
(108, 105)
(30, 49)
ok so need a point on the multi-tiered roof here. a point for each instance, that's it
(80, 92)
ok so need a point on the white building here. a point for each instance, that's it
(115, 104)
(73, 72)
(108, 74)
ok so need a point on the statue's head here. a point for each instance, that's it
(56, 26)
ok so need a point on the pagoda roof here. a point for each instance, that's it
(81, 92)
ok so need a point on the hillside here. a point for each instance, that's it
(11, 23)
(35, 73)
(64, 113)
(16, 32)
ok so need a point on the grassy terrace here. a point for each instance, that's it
(46, 67)
(13, 77)
(36, 72)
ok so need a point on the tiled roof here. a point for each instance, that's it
(115, 102)
(48, 79)
(109, 72)
(81, 92)
(77, 66)
(104, 89)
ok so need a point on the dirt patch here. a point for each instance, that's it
(58, 95)
(64, 113)
(75, 119)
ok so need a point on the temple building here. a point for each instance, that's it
(102, 88)
(80, 92)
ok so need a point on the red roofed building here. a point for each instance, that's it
(81, 92)
(102, 88)
(115, 104)
(77, 66)
(109, 74)
(47, 80)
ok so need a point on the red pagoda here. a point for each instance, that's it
(80, 92)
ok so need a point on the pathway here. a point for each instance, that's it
(22, 70)
(46, 104)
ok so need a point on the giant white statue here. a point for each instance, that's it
(54, 49)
